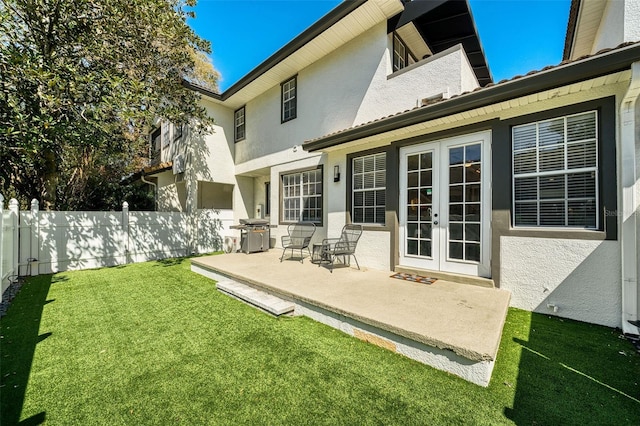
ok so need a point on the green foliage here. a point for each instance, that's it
(81, 83)
(155, 343)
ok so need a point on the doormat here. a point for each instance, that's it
(414, 278)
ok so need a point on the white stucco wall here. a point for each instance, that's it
(171, 195)
(447, 72)
(349, 86)
(580, 277)
(620, 23)
(632, 20)
(213, 154)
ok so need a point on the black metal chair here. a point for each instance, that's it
(345, 246)
(298, 238)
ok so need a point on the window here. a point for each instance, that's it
(302, 196)
(289, 99)
(156, 146)
(239, 125)
(402, 57)
(555, 172)
(369, 188)
(177, 129)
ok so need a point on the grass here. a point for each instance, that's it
(154, 343)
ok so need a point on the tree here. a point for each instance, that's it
(81, 83)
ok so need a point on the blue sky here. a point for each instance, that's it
(517, 35)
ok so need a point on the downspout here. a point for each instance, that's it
(155, 190)
(629, 235)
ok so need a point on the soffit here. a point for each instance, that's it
(414, 41)
(444, 24)
(586, 27)
(351, 26)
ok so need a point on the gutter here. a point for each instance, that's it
(550, 78)
(629, 216)
(155, 190)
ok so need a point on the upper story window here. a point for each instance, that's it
(239, 124)
(369, 189)
(402, 56)
(177, 131)
(156, 146)
(289, 92)
(555, 172)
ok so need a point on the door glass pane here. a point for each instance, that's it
(456, 251)
(425, 248)
(419, 204)
(465, 188)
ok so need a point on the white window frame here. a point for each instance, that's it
(565, 172)
(289, 98)
(304, 193)
(355, 188)
(239, 124)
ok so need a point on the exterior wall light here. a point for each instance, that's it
(336, 173)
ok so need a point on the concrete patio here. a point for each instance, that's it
(450, 326)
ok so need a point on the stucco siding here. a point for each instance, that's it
(212, 155)
(579, 277)
(350, 86)
(620, 23)
(632, 20)
(373, 250)
(171, 195)
(611, 30)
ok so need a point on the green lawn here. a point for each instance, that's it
(154, 343)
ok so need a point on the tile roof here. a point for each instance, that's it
(486, 88)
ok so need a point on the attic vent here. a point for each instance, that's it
(178, 164)
(434, 98)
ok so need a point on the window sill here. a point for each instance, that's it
(375, 227)
(558, 233)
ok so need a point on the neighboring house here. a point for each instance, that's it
(384, 114)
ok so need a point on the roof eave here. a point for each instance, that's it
(571, 29)
(324, 23)
(580, 70)
(202, 90)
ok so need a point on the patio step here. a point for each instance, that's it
(446, 276)
(257, 298)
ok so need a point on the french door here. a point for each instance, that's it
(445, 206)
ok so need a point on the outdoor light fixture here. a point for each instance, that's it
(336, 173)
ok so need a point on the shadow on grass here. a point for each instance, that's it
(171, 261)
(19, 330)
(575, 373)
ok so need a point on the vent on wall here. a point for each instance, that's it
(435, 98)
(178, 164)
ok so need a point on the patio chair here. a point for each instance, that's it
(344, 246)
(298, 238)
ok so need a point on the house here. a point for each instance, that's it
(383, 113)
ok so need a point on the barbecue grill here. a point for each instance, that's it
(255, 235)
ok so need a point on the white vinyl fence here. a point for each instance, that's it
(35, 242)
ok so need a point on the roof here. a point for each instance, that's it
(571, 28)
(604, 62)
(147, 171)
(442, 23)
